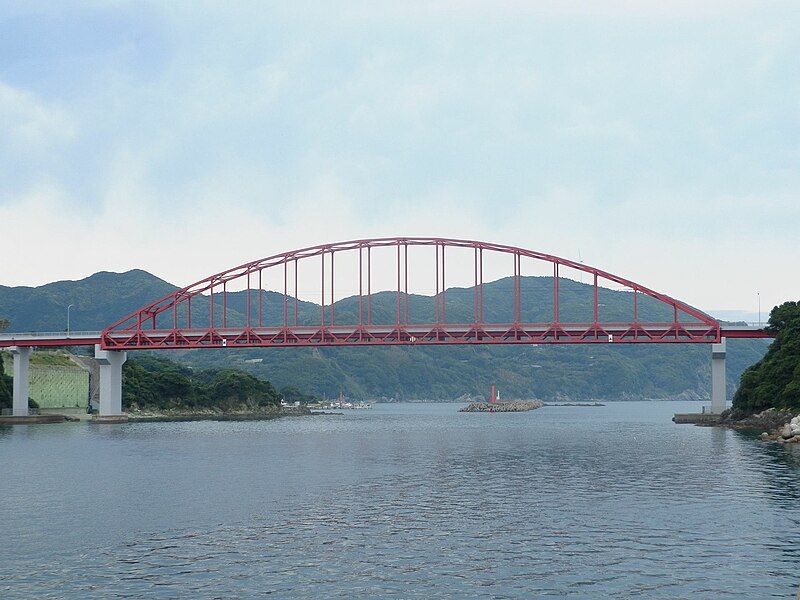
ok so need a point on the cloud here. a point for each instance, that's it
(28, 125)
(46, 241)
(483, 12)
(646, 135)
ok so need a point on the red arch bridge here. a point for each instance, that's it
(365, 294)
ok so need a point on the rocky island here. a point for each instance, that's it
(512, 406)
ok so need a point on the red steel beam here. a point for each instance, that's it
(405, 286)
(427, 334)
(132, 329)
(731, 332)
(533, 333)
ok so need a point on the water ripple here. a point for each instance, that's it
(406, 502)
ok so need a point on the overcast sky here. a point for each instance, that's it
(657, 140)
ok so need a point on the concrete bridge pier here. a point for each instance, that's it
(110, 362)
(718, 387)
(22, 359)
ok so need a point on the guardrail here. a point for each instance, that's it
(49, 338)
(10, 335)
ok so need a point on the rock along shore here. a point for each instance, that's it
(513, 406)
(777, 425)
(788, 434)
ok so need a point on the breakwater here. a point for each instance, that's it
(512, 406)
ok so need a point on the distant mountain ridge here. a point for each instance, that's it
(580, 371)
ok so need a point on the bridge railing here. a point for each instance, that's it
(49, 334)
(49, 338)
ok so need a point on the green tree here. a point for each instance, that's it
(774, 381)
(781, 317)
(291, 394)
(232, 386)
(6, 390)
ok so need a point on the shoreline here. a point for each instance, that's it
(166, 417)
(36, 419)
(155, 417)
(782, 426)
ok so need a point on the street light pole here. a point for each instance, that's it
(70, 306)
(759, 309)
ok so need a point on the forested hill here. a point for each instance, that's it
(591, 371)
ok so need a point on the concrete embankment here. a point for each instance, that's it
(146, 417)
(696, 418)
(109, 419)
(57, 380)
(35, 419)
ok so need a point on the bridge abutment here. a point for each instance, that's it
(110, 362)
(22, 359)
(718, 385)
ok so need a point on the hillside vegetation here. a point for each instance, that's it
(158, 384)
(97, 301)
(774, 381)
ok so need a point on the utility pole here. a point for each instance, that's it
(759, 308)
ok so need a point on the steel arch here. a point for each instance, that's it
(166, 323)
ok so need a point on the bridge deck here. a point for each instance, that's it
(353, 335)
(744, 332)
(49, 339)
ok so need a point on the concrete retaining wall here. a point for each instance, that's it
(55, 386)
